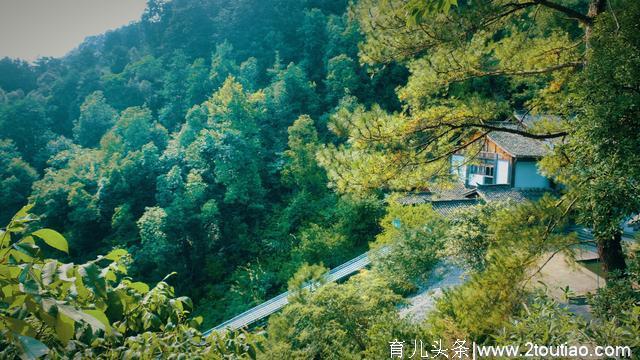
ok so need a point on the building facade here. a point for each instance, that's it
(505, 159)
(505, 168)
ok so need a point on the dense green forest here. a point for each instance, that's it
(243, 147)
(189, 139)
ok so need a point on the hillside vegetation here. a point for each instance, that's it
(189, 139)
(227, 151)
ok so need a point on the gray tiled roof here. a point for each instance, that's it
(447, 201)
(454, 192)
(415, 199)
(528, 119)
(447, 208)
(519, 146)
(508, 193)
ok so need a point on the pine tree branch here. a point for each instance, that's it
(573, 14)
(513, 7)
(522, 132)
(496, 128)
(548, 69)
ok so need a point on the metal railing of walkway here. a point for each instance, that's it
(271, 306)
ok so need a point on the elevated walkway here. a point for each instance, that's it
(269, 307)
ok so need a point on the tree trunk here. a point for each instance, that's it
(609, 244)
(596, 7)
(611, 254)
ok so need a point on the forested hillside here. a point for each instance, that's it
(227, 151)
(189, 138)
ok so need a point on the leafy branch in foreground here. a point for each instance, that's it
(92, 310)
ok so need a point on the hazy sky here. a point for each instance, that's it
(33, 28)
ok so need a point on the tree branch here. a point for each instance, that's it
(479, 74)
(522, 132)
(573, 14)
(498, 128)
(456, 149)
(513, 7)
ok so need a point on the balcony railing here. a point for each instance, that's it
(488, 155)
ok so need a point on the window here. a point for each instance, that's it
(485, 170)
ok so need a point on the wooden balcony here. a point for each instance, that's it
(488, 155)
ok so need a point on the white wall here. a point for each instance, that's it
(476, 179)
(502, 172)
(527, 175)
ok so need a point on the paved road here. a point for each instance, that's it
(269, 307)
(444, 275)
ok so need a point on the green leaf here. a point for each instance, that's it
(53, 239)
(115, 305)
(150, 321)
(49, 306)
(19, 257)
(32, 348)
(27, 283)
(18, 301)
(49, 271)
(92, 278)
(65, 327)
(5, 238)
(7, 290)
(140, 287)
(173, 273)
(176, 304)
(100, 316)
(116, 254)
(108, 274)
(70, 311)
(18, 326)
(23, 212)
(63, 272)
(27, 248)
(196, 321)
(79, 315)
(187, 301)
